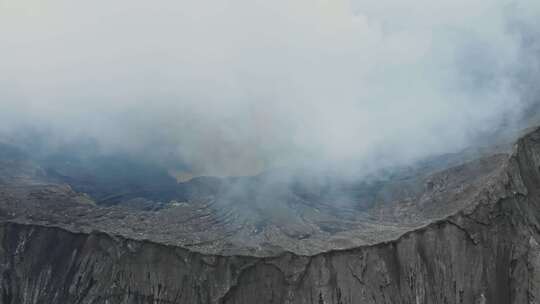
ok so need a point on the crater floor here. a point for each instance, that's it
(262, 215)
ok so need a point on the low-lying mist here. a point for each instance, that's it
(237, 87)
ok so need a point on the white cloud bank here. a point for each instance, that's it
(231, 86)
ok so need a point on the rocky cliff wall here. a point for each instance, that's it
(488, 253)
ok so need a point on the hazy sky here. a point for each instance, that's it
(231, 86)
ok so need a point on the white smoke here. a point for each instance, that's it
(234, 86)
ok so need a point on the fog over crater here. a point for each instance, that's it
(236, 87)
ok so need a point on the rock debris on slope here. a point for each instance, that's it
(466, 233)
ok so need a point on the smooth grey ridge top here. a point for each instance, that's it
(263, 215)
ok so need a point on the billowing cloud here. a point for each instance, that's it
(234, 86)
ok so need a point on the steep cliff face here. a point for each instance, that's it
(458, 260)
(488, 252)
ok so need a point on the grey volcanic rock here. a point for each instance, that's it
(466, 234)
(258, 216)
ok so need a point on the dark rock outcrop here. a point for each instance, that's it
(486, 250)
